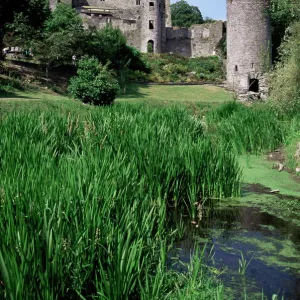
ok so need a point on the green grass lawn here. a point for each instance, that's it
(194, 97)
(257, 169)
(176, 94)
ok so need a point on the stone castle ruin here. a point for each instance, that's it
(148, 27)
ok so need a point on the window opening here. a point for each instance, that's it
(254, 85)
(150, 46)
(151, 24)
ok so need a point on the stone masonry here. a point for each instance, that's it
(149, 21)
(248, 46)
(147, 26)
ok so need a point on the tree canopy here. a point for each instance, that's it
(185, 15)
(23, 17)
(282, 14)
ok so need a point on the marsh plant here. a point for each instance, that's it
(246, 130)
(84, 197)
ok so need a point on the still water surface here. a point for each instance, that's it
(272, 244)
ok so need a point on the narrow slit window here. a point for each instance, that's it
(138, 2)
(236, 68)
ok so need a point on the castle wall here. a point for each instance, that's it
(168, 17)
(152, 33)
(178, 41)
(248, 43)
(141, 24)
(199, 40)
(205, 38)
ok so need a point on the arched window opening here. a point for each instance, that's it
(150, 46)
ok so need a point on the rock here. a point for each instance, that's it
(297, 170)
(274, 191)
(297, 153)
(280, 167)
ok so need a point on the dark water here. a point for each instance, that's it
(272, 244)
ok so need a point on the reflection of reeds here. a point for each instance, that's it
(85, 195)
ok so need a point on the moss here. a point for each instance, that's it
(256, 169)
(273, 252)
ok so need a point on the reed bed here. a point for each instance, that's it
(84, 198)
(246, 129)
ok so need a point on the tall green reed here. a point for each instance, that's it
(83, 198)
(246, 129)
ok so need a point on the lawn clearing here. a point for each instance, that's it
(176, 94)
(200, 97)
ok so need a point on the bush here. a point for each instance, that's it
(285, 87)
(94, 84)
(176, 68)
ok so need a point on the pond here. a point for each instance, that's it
(267, 245)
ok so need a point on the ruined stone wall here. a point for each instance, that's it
(130, 28)
(141, 21)
(146, 21)
(248, 43)
(205, 38)
(168, 17)
(199, 40)
(179, 41)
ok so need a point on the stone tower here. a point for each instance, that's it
(153, 23)
(248, 45)
(168, 16)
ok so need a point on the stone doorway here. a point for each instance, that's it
(254, 85)
(150, 46)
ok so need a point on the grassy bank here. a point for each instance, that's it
(196, 98)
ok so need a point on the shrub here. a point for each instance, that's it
(285, 88)
(176, 68)
(94, 84)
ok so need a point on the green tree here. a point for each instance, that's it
(95, 83)
(7, 10)
(109, 45)
(63, 37)
(24, 19)
(285, 87)
(208, 20)
(282, 14)
(185, 15)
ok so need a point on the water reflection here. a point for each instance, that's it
(271, 242)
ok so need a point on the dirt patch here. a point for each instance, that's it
(277, 156)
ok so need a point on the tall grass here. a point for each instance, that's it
(246, 129)
(83, 198)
